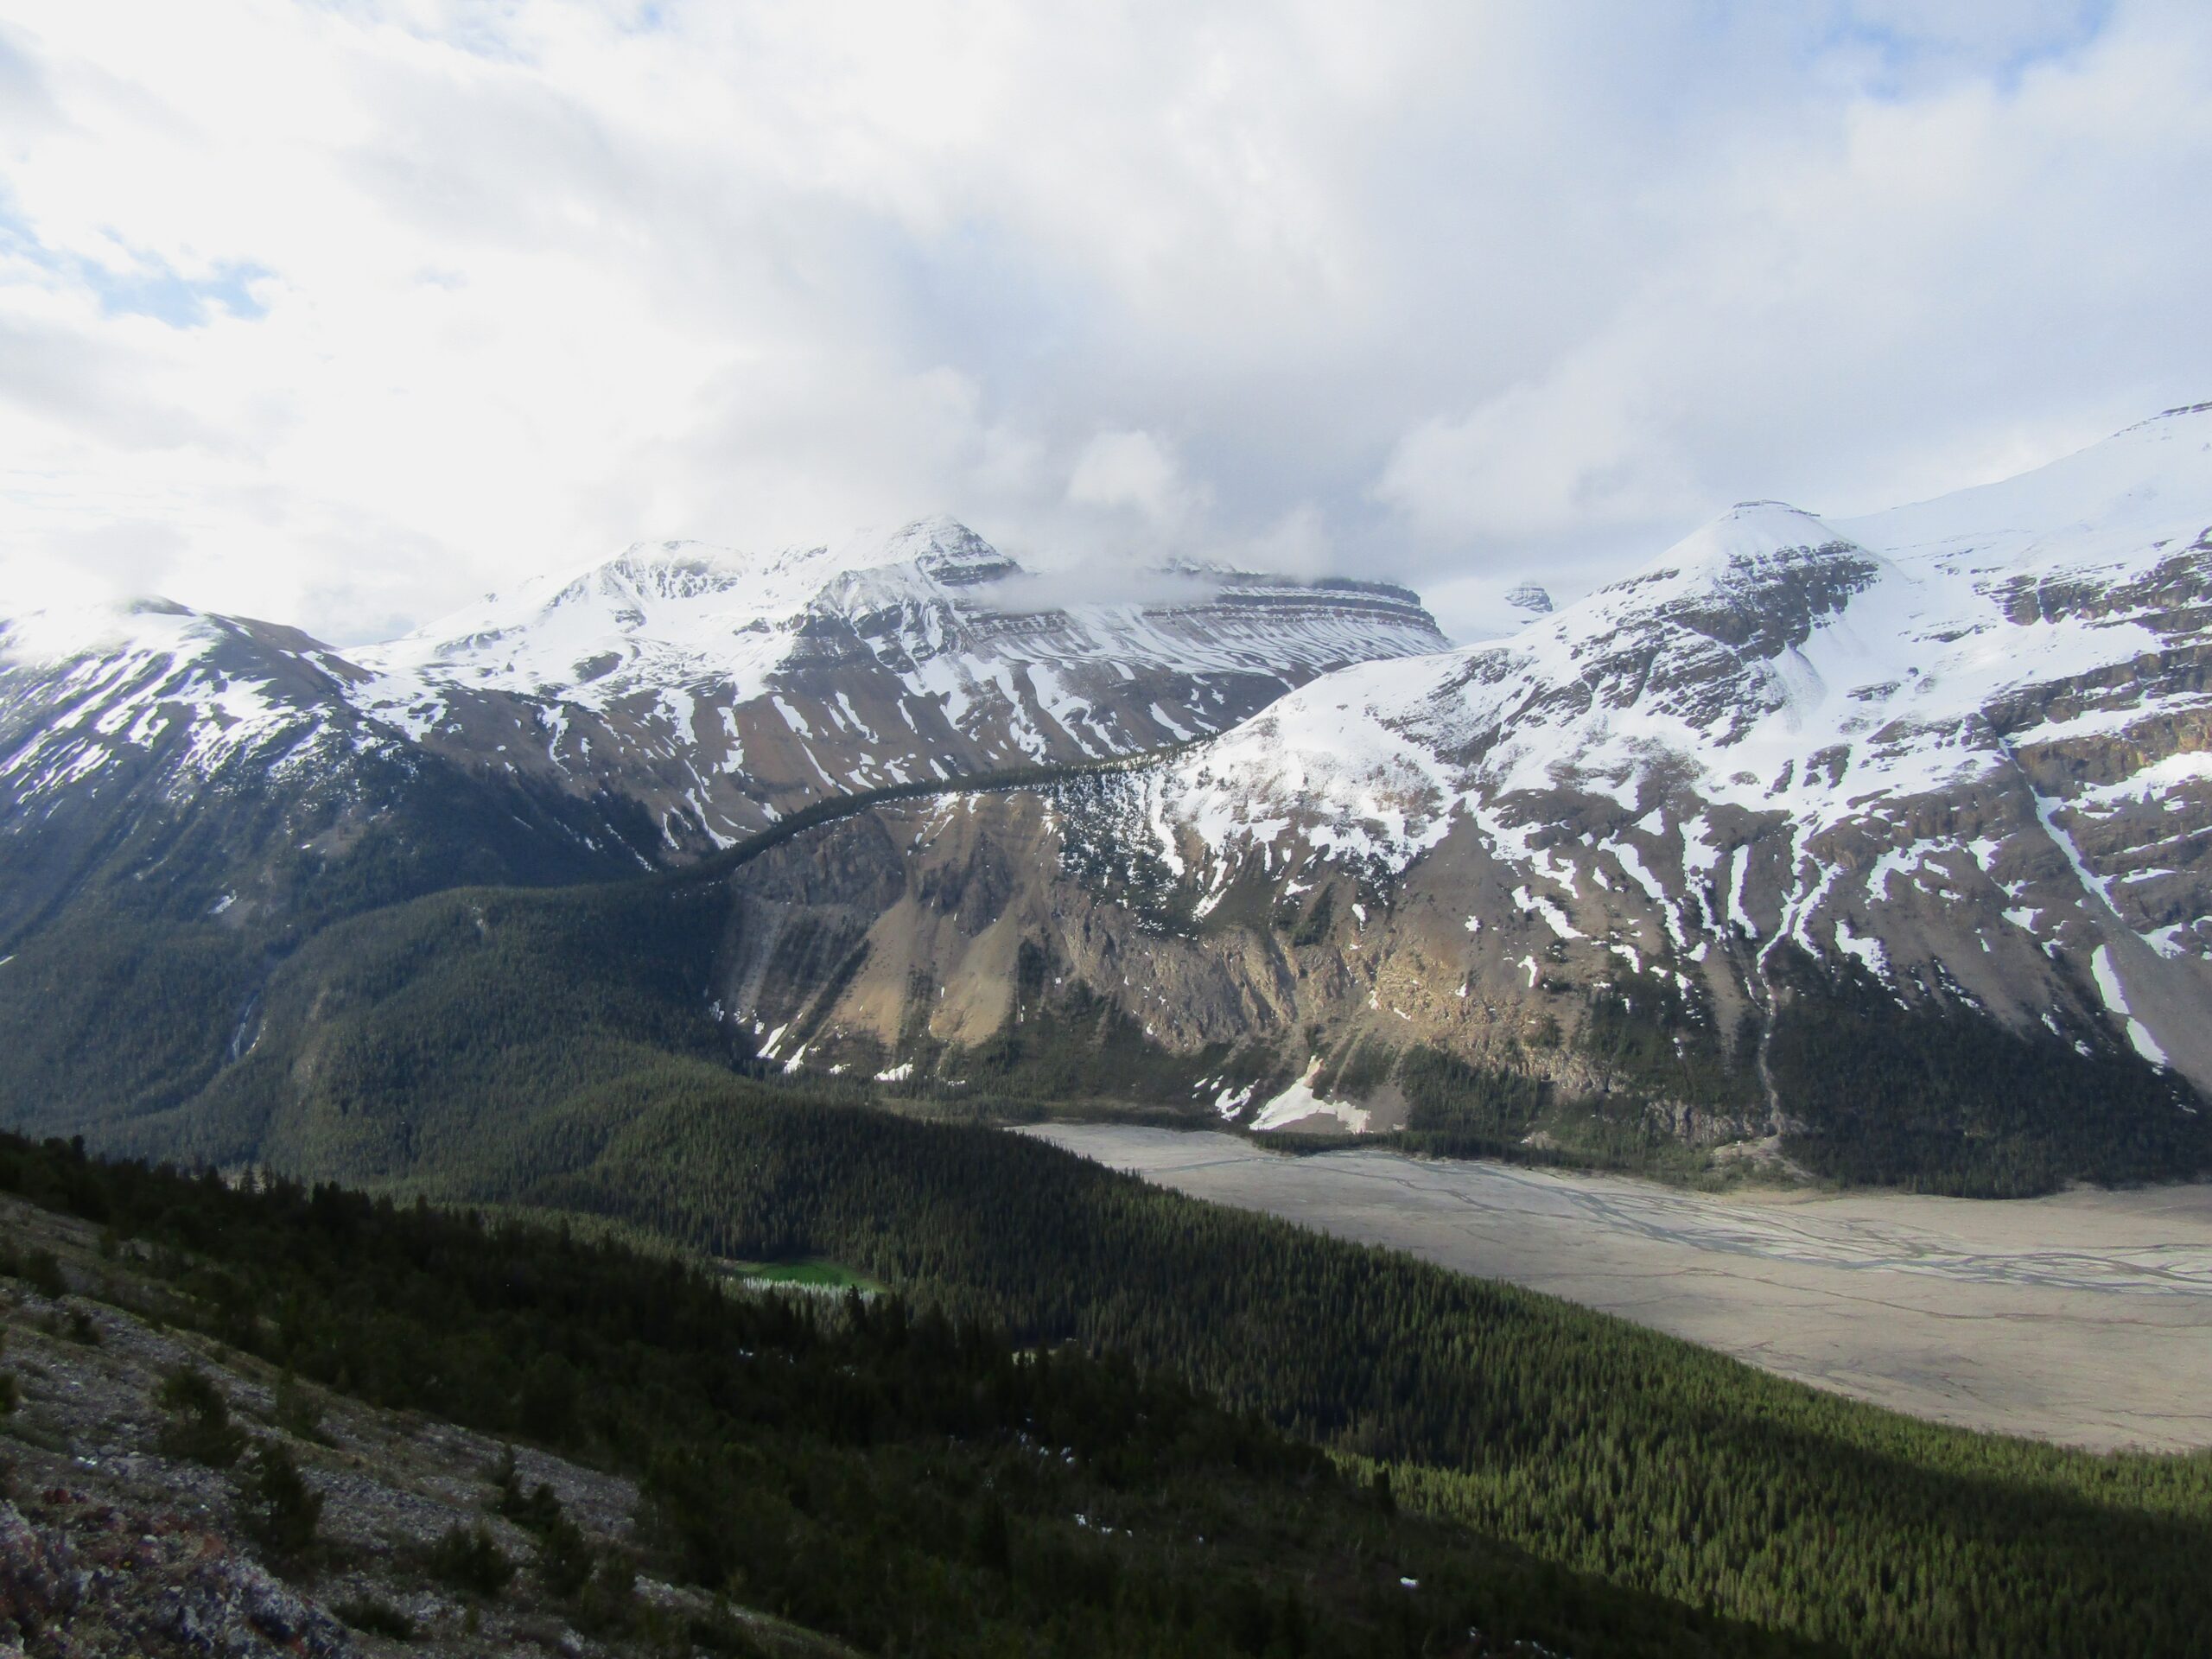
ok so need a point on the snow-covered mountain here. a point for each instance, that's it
(1959, 748)
(654, 706)
(190, 764)
(1964, 741)
(722, 688)
(1887, 837)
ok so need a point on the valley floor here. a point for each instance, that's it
(2084, 1318)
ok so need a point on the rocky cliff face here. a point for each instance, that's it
(1949, 758)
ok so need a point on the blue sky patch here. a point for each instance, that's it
(156, 289)
(150, 287)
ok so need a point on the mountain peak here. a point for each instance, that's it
(57, 633)
(947, 550)
(1531, 598)
(668, 569)
(1766, 525)
(1749, 543)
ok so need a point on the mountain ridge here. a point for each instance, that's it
(718, 690)
(1948, 761)
(1752, 640)
(1872, 843)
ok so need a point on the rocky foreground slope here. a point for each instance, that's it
(1945, 764)
(113, 1539)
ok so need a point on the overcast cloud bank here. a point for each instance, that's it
(342, 312)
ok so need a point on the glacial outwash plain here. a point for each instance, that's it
(2084, 1317)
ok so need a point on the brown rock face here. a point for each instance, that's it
(1952, 759)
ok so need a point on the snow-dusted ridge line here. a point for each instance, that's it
(720, 690)
(1877, 711)
(676, 612)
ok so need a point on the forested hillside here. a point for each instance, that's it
(906, 1481)
(1587, 1440)
(1593, 1444)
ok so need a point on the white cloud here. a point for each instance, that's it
(1568, 456)
(340, 314)
(1129, 469)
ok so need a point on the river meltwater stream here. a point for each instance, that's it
(2085, 1317)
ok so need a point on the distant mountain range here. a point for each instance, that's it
(1878, 844)
(666, 702)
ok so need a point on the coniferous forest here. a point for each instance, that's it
(872, 1469)
(1595, 1444)
(1597, 1448)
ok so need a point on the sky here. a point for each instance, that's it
(343, 313)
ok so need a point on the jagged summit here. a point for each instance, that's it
(1531, 598)
(681, 614)
(948, 551)
(682, 587)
